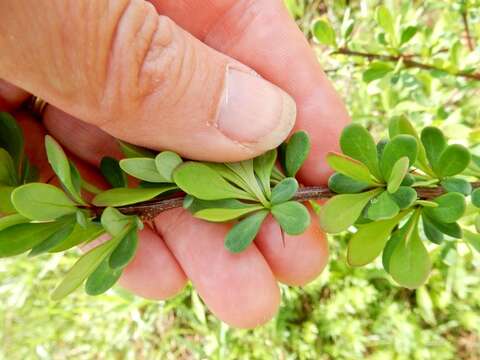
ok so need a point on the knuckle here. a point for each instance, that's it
(148, 55)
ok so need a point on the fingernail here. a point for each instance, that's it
(254, 111)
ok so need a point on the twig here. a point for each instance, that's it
(467, 30)
(407, 61)
(150, 209)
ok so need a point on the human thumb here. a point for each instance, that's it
(137, 75)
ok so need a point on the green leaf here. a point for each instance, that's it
(453, 160)
(292, 216)
(400, 146)
(126, 196)
(451, 207)
(143, 169)
(30, 173)
(341, 211)
(8, 174)
(404, 197)
(382, 207)
(80, 235)
(242, 234)
(408, 180)
(125, 251)
(410, 263)
(201, 181)
(377, 70)
(475, 197)
(115, 222)
(62, 168)
(356, 142)
(56, 238)
(112, 172)
(370, 239)
(400, 125)
(263, 167)
(220, 210)
(11, 220)
(385, 20)
(42, 202)
(6, 206)
(85, 266)
(399, 170)
(457, 185)
(324, 33)
(435, 143)
(342, 184)
(350, 167)
(244, 170)
(407, 34)
(390, 246)
(167, 162)
(296, 153)
(431, 231)
(21, 237)
(472, 238)
(133, 151)
(452, 229)
(102, 279)
(11, 137)
(284, 190)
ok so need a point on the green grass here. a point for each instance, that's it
(346, 313)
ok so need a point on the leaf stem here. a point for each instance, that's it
(148, 210)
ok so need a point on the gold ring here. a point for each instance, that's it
(37, 106)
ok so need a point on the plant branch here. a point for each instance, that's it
(467, 30)
(407, 61)
(148, 210)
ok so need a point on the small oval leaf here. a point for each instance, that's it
(242, 234)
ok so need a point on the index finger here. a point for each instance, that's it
(262, 35)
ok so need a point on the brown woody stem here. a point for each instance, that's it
(407, 61)
(150, 209)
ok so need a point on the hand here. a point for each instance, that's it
(182, 81)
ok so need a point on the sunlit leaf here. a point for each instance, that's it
(358, 143)
(167, 162)
(400, 146)
(382, 207)
(368, 242)
(399, 170)
(341, 211)
(127, 196)
(62, 168)
(323, 32)
(202, 182)
(263, 167)
(133, 151)
(42, 202)
(349, 167)
(143, 169)
(453, 160)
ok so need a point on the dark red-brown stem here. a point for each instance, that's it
(407, 61)
(150, 209)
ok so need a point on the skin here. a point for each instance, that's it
(240, 289)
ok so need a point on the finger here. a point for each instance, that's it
(34, 134)
(262, 35)
(85, 140)
(295, 260)
(141, 78)
(154, 273)
(238, 288)
(11, 97)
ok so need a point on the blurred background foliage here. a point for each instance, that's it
(416, 58)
